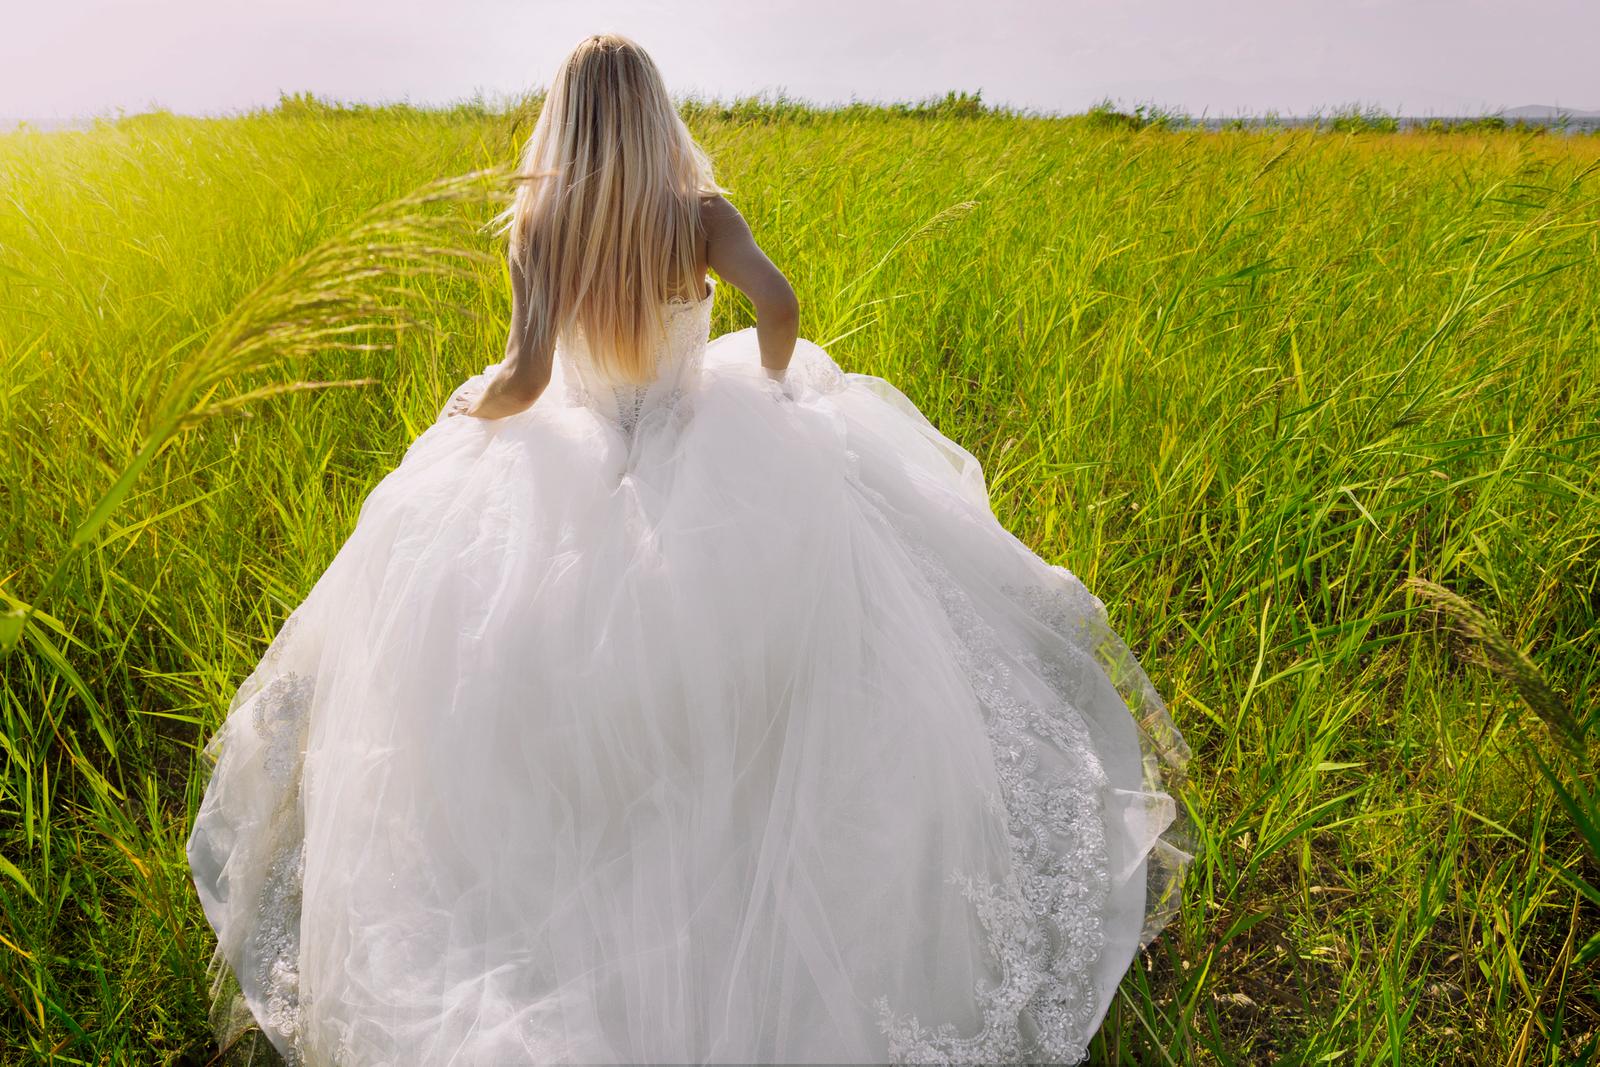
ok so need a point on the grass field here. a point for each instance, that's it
(1245, 384)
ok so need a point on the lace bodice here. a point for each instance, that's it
(677, 359)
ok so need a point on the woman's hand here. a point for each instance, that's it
(460, 402)
(505, 394)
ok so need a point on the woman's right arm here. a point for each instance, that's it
(526, 369)
(732, 252)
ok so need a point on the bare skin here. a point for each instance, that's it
(732, 252)
(727, 247)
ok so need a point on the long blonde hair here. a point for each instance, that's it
(605, 223)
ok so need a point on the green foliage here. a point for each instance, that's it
(1247, 386)
(775, 108)
(952, 105)
(1477, 124)
(1105, 116)
(1357, 119)
(310, 107)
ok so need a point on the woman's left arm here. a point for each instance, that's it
(525, 372)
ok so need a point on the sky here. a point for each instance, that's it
(78, 58)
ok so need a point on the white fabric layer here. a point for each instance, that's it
(714, 721)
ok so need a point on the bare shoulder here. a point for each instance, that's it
(720, 217)
(732, 251)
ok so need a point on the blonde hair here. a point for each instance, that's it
(605, 224)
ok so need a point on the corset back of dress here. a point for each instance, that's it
(677, 359)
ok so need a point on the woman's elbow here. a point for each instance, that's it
(781, 310)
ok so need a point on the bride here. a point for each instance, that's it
(677, 700)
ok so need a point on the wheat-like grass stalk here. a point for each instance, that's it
(1490, 647)
(334, 297)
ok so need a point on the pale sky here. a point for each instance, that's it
(76, 58)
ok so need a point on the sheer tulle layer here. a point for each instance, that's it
(747, 736)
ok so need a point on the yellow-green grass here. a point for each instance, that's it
(1244, 384)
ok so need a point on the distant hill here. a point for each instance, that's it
(1545, 113)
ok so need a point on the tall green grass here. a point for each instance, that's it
(1272, 395)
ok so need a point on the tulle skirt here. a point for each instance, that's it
(750, 736)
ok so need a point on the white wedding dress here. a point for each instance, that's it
(714, 721)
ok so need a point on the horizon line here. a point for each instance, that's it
(772, 97)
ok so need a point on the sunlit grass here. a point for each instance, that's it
(1246, 385)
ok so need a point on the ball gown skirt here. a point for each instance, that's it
(714, 721)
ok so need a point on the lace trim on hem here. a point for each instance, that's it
(280, 717)
(1044, 922)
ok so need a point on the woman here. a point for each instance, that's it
(681, 701)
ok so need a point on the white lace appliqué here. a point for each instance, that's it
(1043, 923)
(280, 718)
